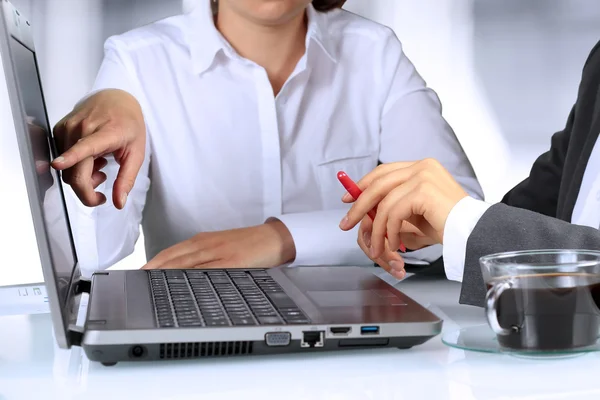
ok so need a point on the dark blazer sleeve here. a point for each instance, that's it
(504, 228)
(539, 191)
(525, 219)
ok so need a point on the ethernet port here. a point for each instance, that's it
(312, 339)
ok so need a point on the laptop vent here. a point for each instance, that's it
(211, 349)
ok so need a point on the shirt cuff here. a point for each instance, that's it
(424, 256)
(461, 221)
(319, 240)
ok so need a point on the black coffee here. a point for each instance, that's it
(550, 311)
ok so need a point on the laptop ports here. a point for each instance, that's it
(278, 338)
(137, 352)
(312, 339)
(369, 330)
(340, 330)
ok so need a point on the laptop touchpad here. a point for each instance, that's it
(354, 298)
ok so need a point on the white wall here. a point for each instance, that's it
(530, 58)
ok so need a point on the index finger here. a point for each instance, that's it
(98, 144)
(379, 171)
(374, 194)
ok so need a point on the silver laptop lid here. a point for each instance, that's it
(44, 187)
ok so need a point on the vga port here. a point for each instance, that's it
(278, 338)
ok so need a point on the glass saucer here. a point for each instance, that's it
(481, 339)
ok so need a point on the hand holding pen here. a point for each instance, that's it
(413, 202)
(355, 192)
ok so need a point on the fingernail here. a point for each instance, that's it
(367, 239)
(344, 222)
(372, 251)
(396, 265)
(123, 199)
(59, 160)
(346, 197)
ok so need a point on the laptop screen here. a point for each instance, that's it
(51, 196)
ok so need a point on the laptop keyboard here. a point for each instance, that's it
(194, 298)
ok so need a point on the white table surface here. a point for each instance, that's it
(32, 367)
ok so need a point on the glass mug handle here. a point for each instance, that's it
(491, 300)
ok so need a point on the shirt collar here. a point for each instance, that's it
(318, 31)
(205, 41)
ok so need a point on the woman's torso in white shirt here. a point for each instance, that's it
(223, 152)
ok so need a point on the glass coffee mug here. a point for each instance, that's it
(543, 300)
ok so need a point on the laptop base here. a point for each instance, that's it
(110, 355)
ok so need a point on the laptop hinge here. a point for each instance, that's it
(82, 286)
(75, 332)
(75, 335)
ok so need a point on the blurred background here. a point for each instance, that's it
(506, 72)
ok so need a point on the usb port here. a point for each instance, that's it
(369, 330)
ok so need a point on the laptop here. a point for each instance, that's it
(142, 315)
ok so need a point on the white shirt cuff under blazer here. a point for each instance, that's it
(461, 221)
(224, 153)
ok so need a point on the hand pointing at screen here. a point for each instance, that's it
(108, 123)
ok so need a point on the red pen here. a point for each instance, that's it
(355, 192)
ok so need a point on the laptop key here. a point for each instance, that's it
(186, 313)
(235, 309)
(260, 304)
(269, 320)
(209, 306)
(240, 316)
(190, 323)
(291, 313)
(208, 310)
(281, 300)
(217, 323)
(213, 315)
(206, 299)
(259, 274)
(185, 308)
(266, 315)
(298, 321)
(242, 321)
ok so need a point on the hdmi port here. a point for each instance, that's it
(340, 330)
